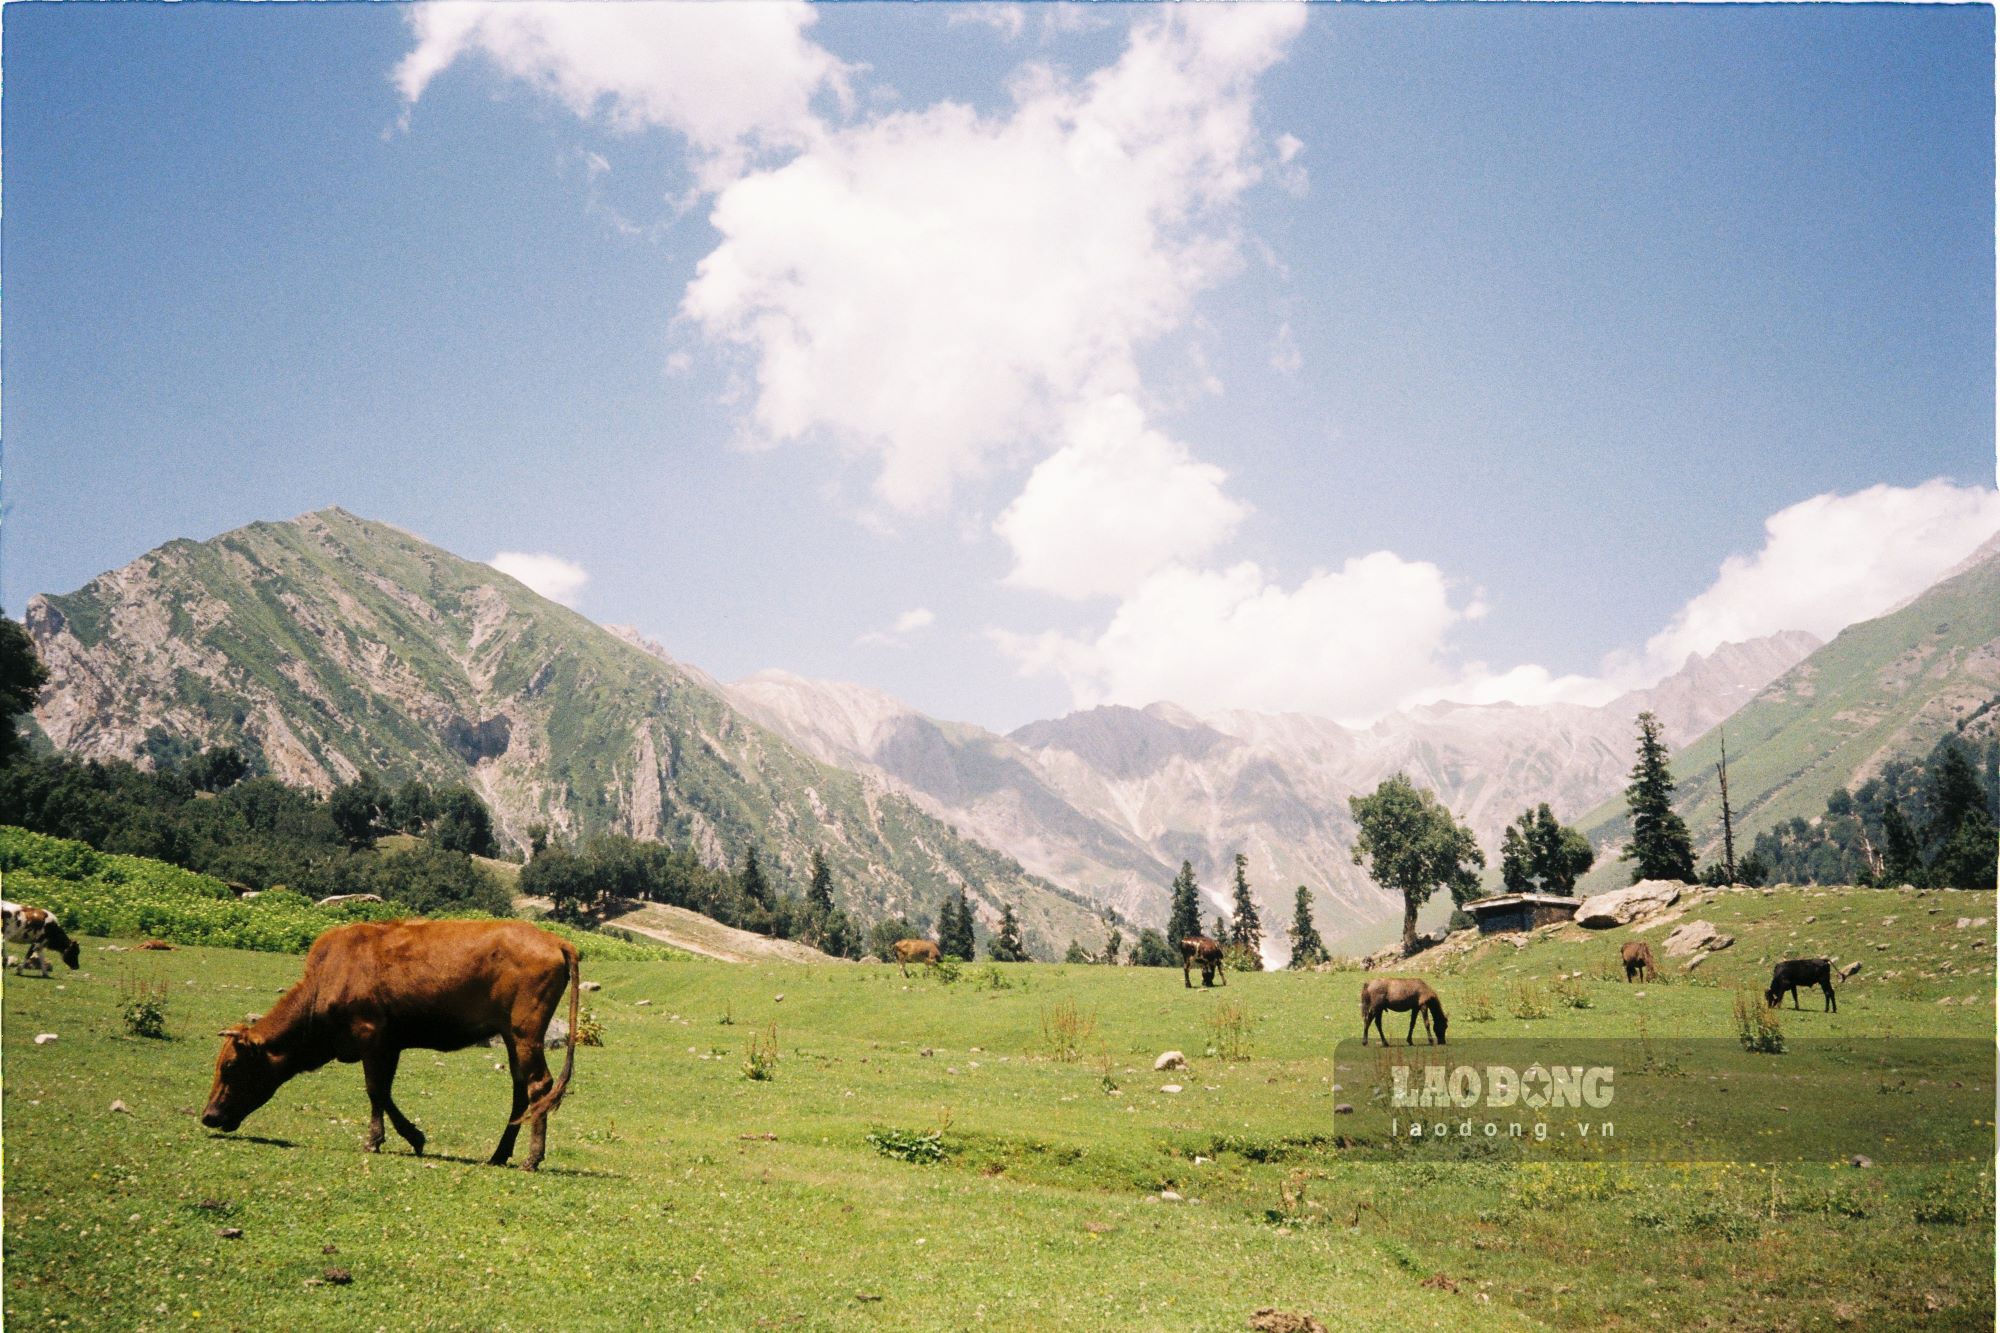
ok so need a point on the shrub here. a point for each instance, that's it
(1477, 1007)
(145, 1011)
(947, 970)
(760, 1058)
(589, 1030)
(1229, 1029)
(1757, 1024)
(1066, 1029)
(1528, 1000)
(918, 1147)
(1570, 993)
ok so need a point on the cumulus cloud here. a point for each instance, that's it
(910, 622)
(1830, 561)
(1115, 503)
(1349, 644)
(728, 78)
(553, 577)
(933, 288)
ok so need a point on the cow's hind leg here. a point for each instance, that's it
(1831, 1003)
(379, 1070)
(505, 1148)
(531, 1081)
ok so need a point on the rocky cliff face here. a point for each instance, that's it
(1111, 800)
(328, 645)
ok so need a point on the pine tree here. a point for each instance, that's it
(1902, 859)
(820, 892)
(1113, 945)
(1221, 928)
(1308, 950)
(955, 936)
(1076, 953)
(1246, 932)
(755, 887)
(1660, 848)
(1005, 946)
(1960, 828)
(1184, 916)
(1728, 818)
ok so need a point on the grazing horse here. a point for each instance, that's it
(916, 951)
(375, 989)
(1637, 957)
(1403, 994)
(1203, 952)
(1796, 972)
(38, 930)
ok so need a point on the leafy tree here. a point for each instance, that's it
(216, 769)
(955, 928)
(463, 824)
(1076, 953)
(22, 676)
(1246, 931)
(1113, 944)
(1412, 846)
(1184, 915)
(1005, 946)
(1660, 848)
(1152, 950)
(1751, 870)
(820, 891)
(356, 808)
(538, 838)
(883, 935)
(838, 936)
(1538, 844)
(1308, 950)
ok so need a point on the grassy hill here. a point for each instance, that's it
(330, 645)
(1882, 689)
(679, 1193)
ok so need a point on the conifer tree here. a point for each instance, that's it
(1246, 932)
(819, 892)
(1308, 950)
(955, 937)
(755, 887)
(1005, 946)
(1660, 848)
(1184, 914)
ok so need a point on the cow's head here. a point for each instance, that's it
(66, 948)
(1438, 1021)
(1772, 995)
(246, 1074)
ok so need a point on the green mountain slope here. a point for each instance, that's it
(330, 644)
(1883, 689)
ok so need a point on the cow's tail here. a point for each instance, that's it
(551, 1099)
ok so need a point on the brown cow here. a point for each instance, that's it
(375, 989)
(1402, 994)
(916, 951)
(1203, 952)
(1637, 956)
(38, 930)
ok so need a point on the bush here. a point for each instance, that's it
(589, 1031)
(1478, 1007)
(145, 1011)
(1528, 1000)
(1757, 1024)
(1570, 993)
(1066, 1029)
(918, 1147)
(1229, 1029)
(760, 1057)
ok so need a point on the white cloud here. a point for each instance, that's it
(727, 77)
(1830, 561)
(553, 577)
(1349, 644)
(910, 622)
(1115, 503)
(936, 288)
(1285, 358)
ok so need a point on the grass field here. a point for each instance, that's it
(679, 1192)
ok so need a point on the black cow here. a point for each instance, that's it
(1796, 972)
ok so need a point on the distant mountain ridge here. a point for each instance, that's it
(329, 644)
(1110, 800)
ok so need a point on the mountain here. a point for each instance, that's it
(329, 645)
(1883, 689)
(1110, 800)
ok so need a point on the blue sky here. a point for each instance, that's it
(1322, 361)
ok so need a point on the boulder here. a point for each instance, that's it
(1850, 970)
(557, 1036)
(337, 899)
(1170, 1060)
(1621, 907)
(1693, 937)
(1270, 1319)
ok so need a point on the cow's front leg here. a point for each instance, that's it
(378, 1067)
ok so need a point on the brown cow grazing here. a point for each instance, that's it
(1637, 957)
(1203, 952)
(375, 989)
(37, 929)
(916, 951)
(1402, 994)
(1796, 972)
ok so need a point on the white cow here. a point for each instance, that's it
(38, 930)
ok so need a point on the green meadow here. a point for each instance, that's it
(924, 1154)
